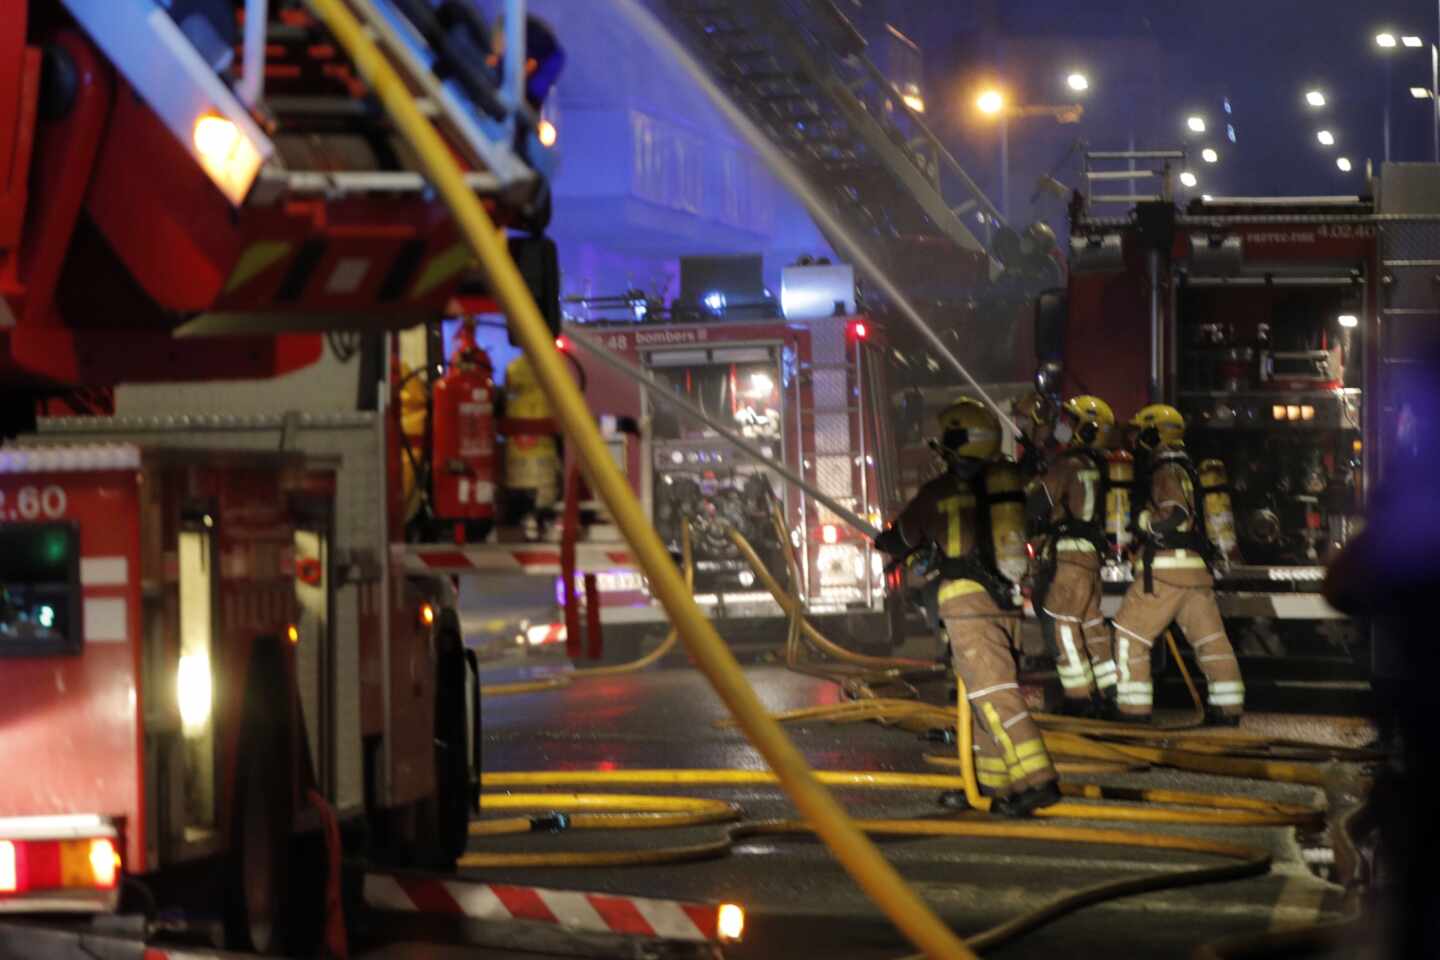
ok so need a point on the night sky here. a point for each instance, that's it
(1153, 62)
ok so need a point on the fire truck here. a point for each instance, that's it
(1274, 325)
(213, 643)
(806, 382)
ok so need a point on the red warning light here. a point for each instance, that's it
(562, 344)
(858, 330)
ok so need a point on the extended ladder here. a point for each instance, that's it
(798, 68)
(310, 134)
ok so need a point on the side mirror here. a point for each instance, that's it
(540, 266)
(1051, 308)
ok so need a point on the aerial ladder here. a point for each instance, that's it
(216, 169)
(800, 71)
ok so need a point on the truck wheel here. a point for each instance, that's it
(260, 848)
(452, 766)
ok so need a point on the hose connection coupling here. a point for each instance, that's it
(553, 822)
(938, 735)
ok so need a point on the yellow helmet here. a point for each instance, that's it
(1093, 418)
(968, 428)
(1031, 412)
(1160, 425)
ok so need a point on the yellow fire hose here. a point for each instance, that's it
(793, 608)
(643, 812)
(851, 847)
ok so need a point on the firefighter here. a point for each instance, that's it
(1066, 511)
(1173, 581)
(1035, 415)
(973, 515)
(532, 451)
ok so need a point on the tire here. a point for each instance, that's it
(452, 765)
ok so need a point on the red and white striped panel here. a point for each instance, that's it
(582, 912)
(530, 558)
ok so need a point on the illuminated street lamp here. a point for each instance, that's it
(1343, 163)
(1188, 179)
(991, 103)
(1078, 82)
(1209, 155)
(1196, 124)
(1386, 41)
(1326, 138)
(1316, 98)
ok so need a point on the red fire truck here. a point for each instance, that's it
(811, 394)
(151, 610)
(1272, 324)
(210, 168)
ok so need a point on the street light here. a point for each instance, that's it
(1315, 98)
(1188, 179)
(1196, 124)
(1209, 155)
(1412, 42)
(1343, 163)
(992, 103)
(1078, 82)
(1326, 138)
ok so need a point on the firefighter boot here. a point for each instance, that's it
(1214, 718)
(1090, 708)
(1026, 802)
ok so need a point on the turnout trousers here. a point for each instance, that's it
(1083, 655)
(1010, 755)
(1184, 594)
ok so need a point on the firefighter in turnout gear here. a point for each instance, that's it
(973, 514)
(1173, 583)
(1065, 507)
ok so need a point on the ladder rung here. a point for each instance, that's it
(333, 106)
(1136, 155)
(1121, 174)
(1125, 198)
(296, 182)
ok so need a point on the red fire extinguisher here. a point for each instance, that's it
(463, 456)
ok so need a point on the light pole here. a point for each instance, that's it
(1389, 45)
(991, 103)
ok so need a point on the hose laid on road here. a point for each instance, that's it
(852, 848)
(1224, 809)
(640, 663)
(622, 811)
(1249, 861)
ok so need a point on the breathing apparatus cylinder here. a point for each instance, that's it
(1219, 514)
(1120, 466)
(1006, 503)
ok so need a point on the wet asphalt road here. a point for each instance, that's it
(801, 903)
